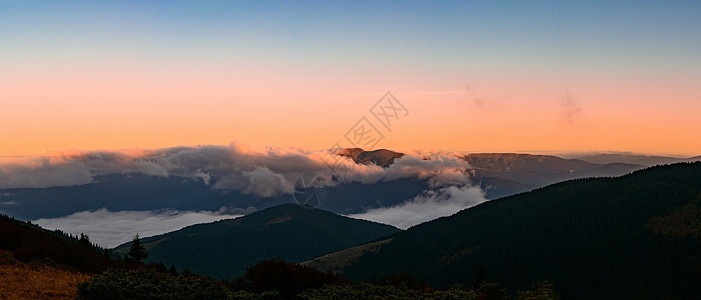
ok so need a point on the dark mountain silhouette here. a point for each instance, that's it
(496, 187)
(293, 232)
(631, 237)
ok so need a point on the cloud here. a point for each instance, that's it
(43, 172)
(202, 175)
(570, 108)
(437, 92)
(262, 171)
(265, 183)
(450, 190)
(428, 206)
(110, 229)
(7, 203)
(483, 101)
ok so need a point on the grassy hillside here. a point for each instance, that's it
(224, 249)
(36, 281)
(336, 261)
(625, 237)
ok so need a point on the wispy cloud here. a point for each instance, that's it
(570, 108)
(484, 101)
(437, 92)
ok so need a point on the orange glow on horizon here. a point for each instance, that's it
(275, 107)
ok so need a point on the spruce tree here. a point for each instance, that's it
(137, 251)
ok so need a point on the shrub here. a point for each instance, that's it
(148, 284)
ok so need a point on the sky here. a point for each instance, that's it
(477, 76)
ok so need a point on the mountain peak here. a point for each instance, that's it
(380, 157)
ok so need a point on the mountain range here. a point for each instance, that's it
(497, 174)
(630, 158)
(636, 236)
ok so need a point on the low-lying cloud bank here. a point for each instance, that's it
(430, 205)
(110, 229)
(261, 171)
(450, 190)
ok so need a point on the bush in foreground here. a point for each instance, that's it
(289, 279)
(149, 284)
(277, 279)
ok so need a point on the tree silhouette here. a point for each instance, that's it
(84, 240)
(137, 251)
(173, 270)
(480, 275)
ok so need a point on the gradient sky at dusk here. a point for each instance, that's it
(481, 76)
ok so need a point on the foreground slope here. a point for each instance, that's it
(39, 264)
(27, 243)
(293, 232)
(635, 236)
(36, 281)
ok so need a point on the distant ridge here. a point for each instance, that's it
(639, 159)
(498, 174)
